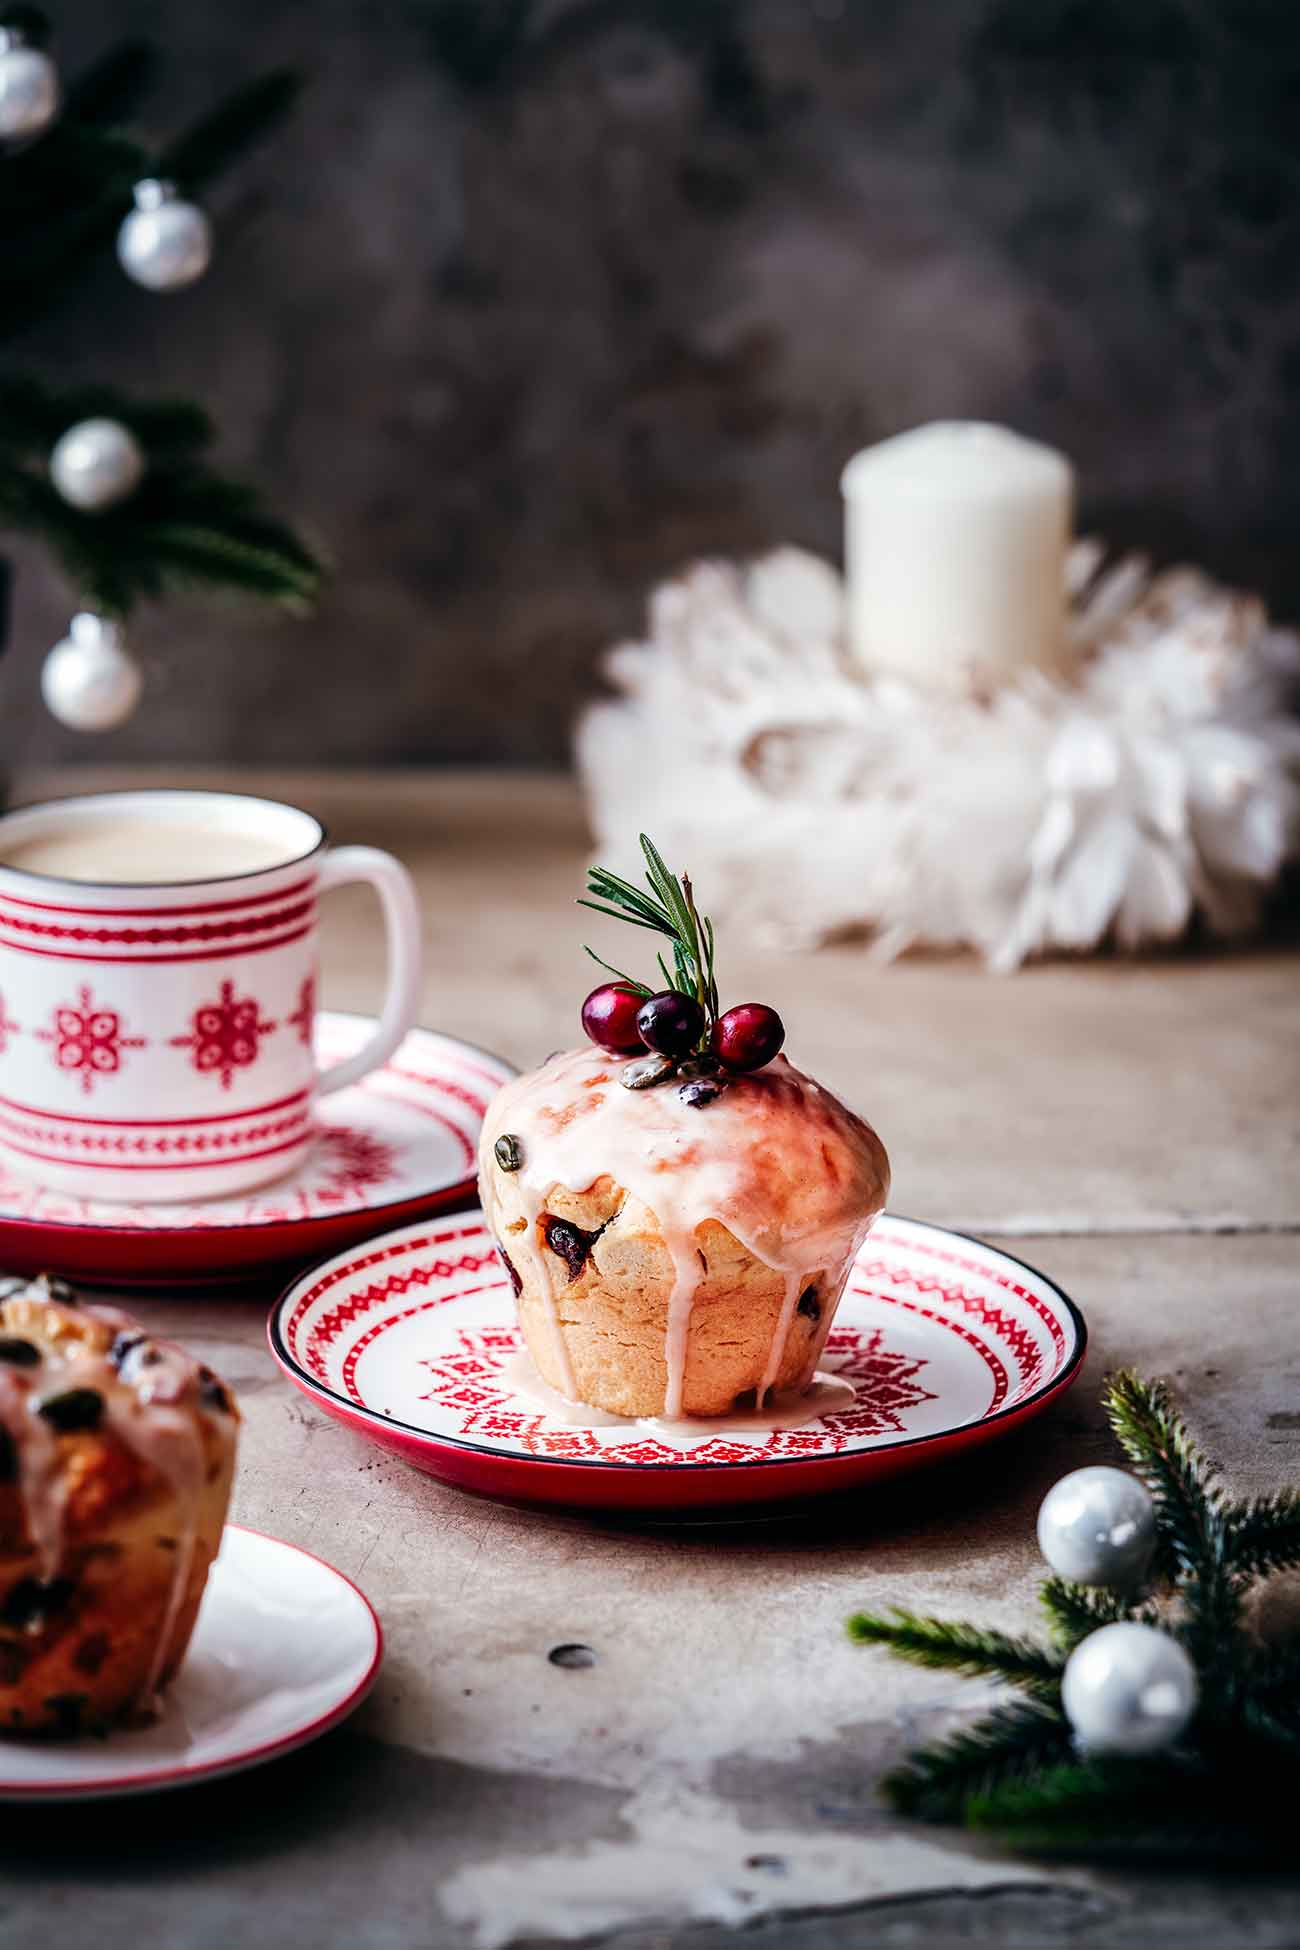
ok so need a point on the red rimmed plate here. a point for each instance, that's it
(400, 1144)
(284, 1649)
(947, 1342)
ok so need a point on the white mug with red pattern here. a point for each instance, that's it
(156, 1035)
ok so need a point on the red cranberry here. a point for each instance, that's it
(748, 1036)
(671, 1023)
(609, 1018)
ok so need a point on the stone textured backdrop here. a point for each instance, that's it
(533, 302)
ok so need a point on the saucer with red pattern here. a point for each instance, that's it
(400, 1143)
(412, 1341)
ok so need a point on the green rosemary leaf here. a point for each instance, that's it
(608, 886)
(629, 980)
(632, 920)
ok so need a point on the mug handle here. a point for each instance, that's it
(396, 891)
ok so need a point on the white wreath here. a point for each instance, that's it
(1159, 783)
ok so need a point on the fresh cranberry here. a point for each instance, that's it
(748, 1036)
(671, 1023)
(609, 1018)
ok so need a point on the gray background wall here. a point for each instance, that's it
(533, 302)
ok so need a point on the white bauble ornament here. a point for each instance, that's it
(1128, 1689)
(90, 681)
(96, 464)
(29, 88)
(165, 243)
(1098, 1526)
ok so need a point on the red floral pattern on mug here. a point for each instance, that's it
(8, 1027)
(88, 1039)
(226, 1035)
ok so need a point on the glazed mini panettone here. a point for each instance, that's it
(678, 1227)
(672, 1259)
(117, 1453)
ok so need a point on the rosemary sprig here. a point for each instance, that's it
(668, 909)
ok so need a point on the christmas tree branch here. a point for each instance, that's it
(1008, 1744)
(1074, 1610)
(112, 86)
(951, 1647)
(1264, 1534)
(231, 130)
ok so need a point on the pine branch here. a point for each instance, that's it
(233, 128)
(949, 1646)
(1092, 1801)
(1011, 1743)
(1194, 1537)
(1264, 1533)
(110, 88)
(1074, 1610)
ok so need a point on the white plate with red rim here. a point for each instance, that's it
(400, 1143)
(947, 1342)
(284, 1649)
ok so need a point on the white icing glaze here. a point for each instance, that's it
(152, 1402)
(792, 1408)
(789, 1171)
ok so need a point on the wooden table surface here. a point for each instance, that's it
(1131, 1128)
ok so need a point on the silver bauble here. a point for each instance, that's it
(29, 88)
(1098, 1526)
(1128, 1689)
(90, 681)
(96, 464)
(165, 243)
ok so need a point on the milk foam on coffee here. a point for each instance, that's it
(116, 848)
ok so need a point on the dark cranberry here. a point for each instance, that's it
(75, 1408)
(701, 1091)
(212, 1392)
(18, 1352)
(748, 1036)
(809, 1305)
(8, 1456)
(609, 1018)
(123, 1344)
(29, 1603)
(671, 1023)
(570, 1242)
(510, 1267)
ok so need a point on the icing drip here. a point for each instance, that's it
(792, 1174)
(793, 1408)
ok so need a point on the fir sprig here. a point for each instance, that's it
(667, 909)
(1231, 1780)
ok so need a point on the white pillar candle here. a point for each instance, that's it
(955, 542)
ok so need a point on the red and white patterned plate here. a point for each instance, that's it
(947, 1342)
(401, 1143)
(285, 1647)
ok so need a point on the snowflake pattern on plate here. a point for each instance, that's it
(88, 1039)
(226, 1035)
(467, 1377)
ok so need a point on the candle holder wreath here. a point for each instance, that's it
(1139, 777)
(1158, 1717)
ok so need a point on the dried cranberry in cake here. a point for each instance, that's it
(671, 1023)
(609, 1018)
(748, 1036)
(570, 1242)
